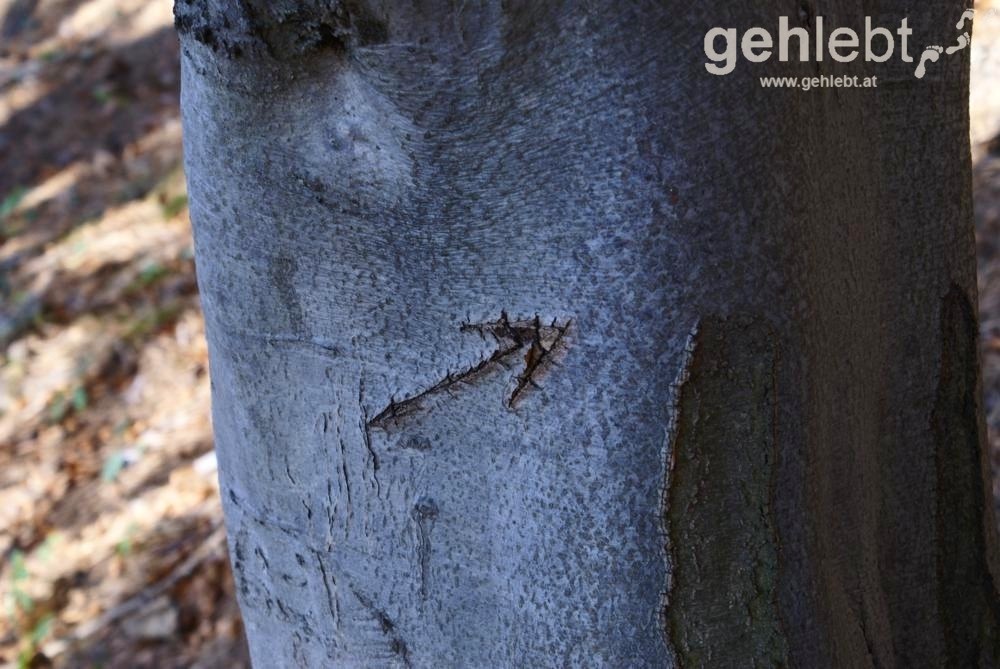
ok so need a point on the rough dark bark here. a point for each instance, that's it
(534, 344)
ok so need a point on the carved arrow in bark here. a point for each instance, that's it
(538, 343)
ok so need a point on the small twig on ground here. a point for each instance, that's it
(212, 547)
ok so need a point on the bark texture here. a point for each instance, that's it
(535, 344)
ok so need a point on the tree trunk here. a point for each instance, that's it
(534, 343)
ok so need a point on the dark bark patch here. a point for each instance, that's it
(282, 271)
(279, 29)
(967, 596)
(723, 549)
(416, 443)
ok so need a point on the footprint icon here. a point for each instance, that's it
(930, 55)
(933, 53)
(963, 41)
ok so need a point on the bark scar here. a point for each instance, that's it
(280, 31)
(396, 643)
(366, 426)
(721, 535)
(425, 512)
(538, 342)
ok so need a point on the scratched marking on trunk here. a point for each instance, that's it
(538, 342)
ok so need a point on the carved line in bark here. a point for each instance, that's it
(256, 589)
(324, 348)
(366, 435)
(722, 545)
(540, 343)
(425, 512)
(396, 643)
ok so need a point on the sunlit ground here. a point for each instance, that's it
(985, 125)
(111, 547)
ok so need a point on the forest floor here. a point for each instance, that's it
(985, 135)
(112, 552)
(111, 547)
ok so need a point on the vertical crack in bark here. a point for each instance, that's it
(425, 512)
(967, 596)
(722, 543)
(870, 649)
(330, 586)
(539, 342)
(331, 515)
(366, 435)
(347, 487)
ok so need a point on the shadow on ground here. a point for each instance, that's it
(112, 548)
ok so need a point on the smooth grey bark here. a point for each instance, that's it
(534, 344)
